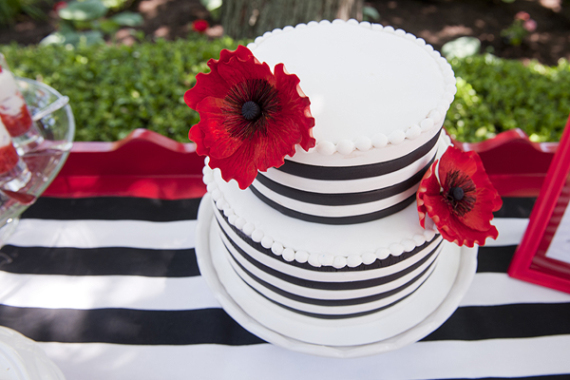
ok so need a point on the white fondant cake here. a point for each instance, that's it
(334, 233)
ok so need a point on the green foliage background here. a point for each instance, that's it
(115, 89)
(10, 9)
(495, 95)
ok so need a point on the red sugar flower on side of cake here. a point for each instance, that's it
(462, 201)
(250, 118)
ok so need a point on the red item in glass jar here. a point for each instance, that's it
(18, 124)
(23, 198)
(8, 158)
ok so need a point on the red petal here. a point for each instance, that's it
(437, 209)
(461, 234)
(479, 218)
(483, 182)
(428, 186)
(240, 158)
(234, 73)
(474, 226)
(242, 52)
(213, 83)
(278, 144)
(293, 99)
(455, 160)
(216, 138)
(197, 136)
(210, 84)
(487, 198)
(240, 166)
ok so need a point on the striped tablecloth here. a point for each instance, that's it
(102, 272)
(110, 288)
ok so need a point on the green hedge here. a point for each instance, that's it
(115, 89)
(495, 95)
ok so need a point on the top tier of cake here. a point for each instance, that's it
(372, 86)
(379, 97)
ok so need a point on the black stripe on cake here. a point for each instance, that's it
(337, 316)
(390, 260)
(344, 285)
(340, 173)
(330, 302)
(342, 199)
(342, 220)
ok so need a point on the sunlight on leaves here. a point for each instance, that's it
(461, 47)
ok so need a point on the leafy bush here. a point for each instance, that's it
(115, 89)
(10, 9)
(86, 22)
(495, 95)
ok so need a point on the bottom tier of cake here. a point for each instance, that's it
(404, 322)
(325, 291)
(322, 271)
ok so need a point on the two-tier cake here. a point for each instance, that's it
(333, 235)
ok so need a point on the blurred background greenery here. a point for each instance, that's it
(117, 84)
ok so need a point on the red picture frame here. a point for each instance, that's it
(531, 261)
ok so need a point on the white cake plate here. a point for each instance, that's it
(406, 322)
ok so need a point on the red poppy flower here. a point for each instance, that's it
(200, 26)
(462, 202)
(250, 118)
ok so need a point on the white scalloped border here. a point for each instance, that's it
(314, 259)
(380, 140)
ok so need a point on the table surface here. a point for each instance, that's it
(102, 272)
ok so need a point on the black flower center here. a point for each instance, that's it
(250, 110)
(457, 192)
(250, 107)
(461, 192)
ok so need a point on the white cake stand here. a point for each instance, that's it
(406, 322)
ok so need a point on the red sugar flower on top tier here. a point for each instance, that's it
(462, 202)
(250, 118)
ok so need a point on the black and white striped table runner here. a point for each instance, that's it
(110, 288)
